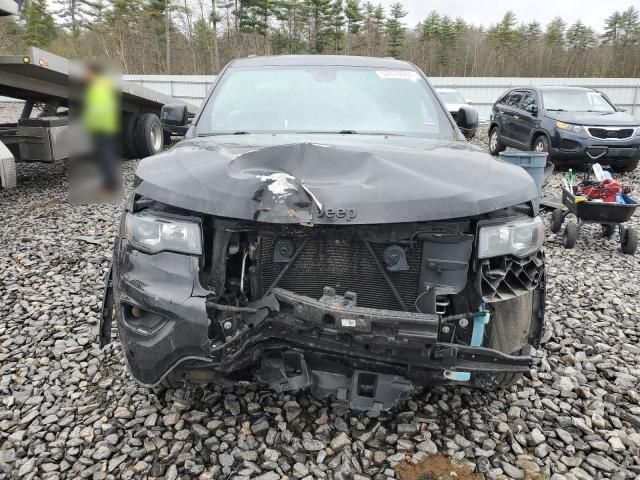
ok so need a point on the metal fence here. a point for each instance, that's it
(482, 91)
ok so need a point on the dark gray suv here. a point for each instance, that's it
(574, 125)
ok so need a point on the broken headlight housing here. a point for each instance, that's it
(519, 237)
(154, 233)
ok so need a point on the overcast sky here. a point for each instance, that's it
(486, 12)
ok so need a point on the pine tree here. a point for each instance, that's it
(37, 25)
(353, 13)
(580, 37)
(73, 15)
(319, 15)
(336, 22)
(395, 29)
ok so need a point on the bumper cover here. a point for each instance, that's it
(336, 339)
(570, 146)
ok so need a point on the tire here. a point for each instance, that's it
(149, 135)
(557, 219)
(129, 147)
(629, 243)
(495, 143)
(541, 144)
(628, 167)
(8, 175)
(608, 230)
(570, 236)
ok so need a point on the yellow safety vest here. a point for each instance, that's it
(101, 112)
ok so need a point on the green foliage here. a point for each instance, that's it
(580, 37)
(395, 29)
(185, 36)
(38, 27)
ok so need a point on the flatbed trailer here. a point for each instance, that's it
(44, 80)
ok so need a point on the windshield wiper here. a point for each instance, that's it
(348, 132)
(556, 110)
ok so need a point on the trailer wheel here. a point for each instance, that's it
(129, 147)
(149, 135)
(8, 176)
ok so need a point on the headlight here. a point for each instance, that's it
(570, 127)
(154, 234)
(520, 237)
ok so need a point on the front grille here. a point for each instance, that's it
(611, 133)
(344, 264)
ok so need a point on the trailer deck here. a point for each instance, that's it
(42, 76)
(46, 81)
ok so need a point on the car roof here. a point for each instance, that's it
(322, 60)
(549, 87)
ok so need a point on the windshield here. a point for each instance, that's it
(576, 101)
(324, 99)
(452, 97)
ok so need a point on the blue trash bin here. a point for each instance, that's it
(533, 162)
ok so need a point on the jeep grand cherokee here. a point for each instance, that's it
(325, 225)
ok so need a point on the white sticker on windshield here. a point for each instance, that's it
(398, 74)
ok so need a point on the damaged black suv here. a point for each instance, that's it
(325, 225)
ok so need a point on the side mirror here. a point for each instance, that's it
(467, 120)
(532, 109)
(175, 118)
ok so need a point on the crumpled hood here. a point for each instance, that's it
(620, 119)
(326, 179)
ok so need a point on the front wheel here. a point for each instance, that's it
(541, 145)
(495, 142)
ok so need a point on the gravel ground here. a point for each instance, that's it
(70, 410)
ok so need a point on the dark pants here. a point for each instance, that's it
(105, 148)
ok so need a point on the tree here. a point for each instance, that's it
(395, 29)
(336, 22)
(38, 27)
(353, 13)
(73, 14)
(318, 23)
(580, 37)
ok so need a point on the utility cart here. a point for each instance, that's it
(610, 215)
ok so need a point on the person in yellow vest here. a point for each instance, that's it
(101, 120)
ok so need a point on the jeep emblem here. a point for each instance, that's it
(343, 213)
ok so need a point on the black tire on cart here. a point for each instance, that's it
(149, 135)
(608, 230)
(629, 241)
(129, 147)
(570, 236)
(557, 218)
